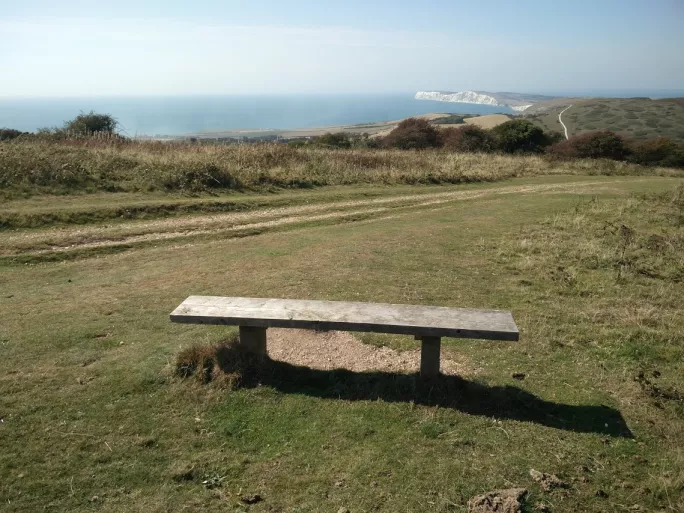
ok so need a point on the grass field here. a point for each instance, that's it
(634, 118)
(93, 416)
(489, 121)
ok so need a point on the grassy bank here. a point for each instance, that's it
(34, 166)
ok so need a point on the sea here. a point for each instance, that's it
(159, 116)
(178, 115)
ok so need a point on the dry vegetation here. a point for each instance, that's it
(488, 121)
(35, 166)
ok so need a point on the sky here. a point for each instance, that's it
(171, 47)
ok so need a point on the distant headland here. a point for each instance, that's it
(516, 101)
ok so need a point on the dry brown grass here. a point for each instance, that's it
(38, 166)
(489, 121)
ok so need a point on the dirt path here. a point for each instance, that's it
(132, 232)
(565, 128)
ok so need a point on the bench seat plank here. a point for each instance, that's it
(422, 321)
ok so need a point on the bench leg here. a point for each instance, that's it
(429, 357)
(253, 339)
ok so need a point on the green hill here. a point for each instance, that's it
(637, 118)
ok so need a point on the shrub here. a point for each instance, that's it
(413, 133)
(92, 123)
(364, 140)
(657, 152)
(520, 136)
(595, 145)
(554, 137)
(9, 133)
(297, 143)
(468, 138)
(336, 140)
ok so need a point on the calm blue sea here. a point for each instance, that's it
(180, 115)
(186, 114)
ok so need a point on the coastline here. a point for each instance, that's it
(378, 128)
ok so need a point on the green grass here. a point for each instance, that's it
(631, 117)
(94, 417)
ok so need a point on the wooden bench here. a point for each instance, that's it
(426, 323)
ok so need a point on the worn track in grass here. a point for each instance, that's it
(70, 239)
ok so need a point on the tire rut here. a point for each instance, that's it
(133, 232)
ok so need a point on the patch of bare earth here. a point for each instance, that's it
(327, 350)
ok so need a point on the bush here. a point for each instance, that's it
(336, 140)
(10, 133)
(520, 136)
(453, 119)
(595, 145)
(365, 141)
(469, 139)
(92, 123)
(413, 134)
(657, 152)
(297, 143)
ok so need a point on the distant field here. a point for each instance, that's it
(635, 118)
(489, 121)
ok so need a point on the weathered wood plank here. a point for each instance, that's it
(422, 321)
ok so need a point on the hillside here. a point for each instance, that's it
(637, 118)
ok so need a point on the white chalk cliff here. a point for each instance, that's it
(516, 101)
(461, 97)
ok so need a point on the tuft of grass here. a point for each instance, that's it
(197, 360)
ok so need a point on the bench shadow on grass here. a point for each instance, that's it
(472, 397)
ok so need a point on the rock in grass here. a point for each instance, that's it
(547, 481)
(498, 501)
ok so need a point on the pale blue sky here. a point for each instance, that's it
(125, 47)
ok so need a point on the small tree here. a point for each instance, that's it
(413, 134)
(520, 136)
(468, 138)
(91, 123)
